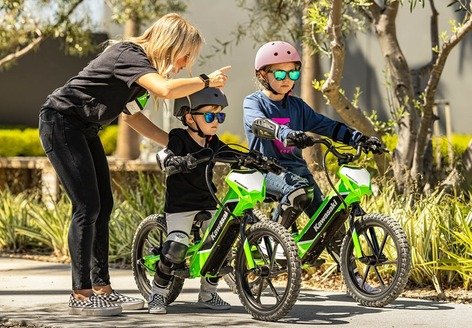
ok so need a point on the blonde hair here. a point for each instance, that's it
(171, 37)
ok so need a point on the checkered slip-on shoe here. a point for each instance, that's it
(93, 306)
(126, 302)
(215, 303)
(157, 304)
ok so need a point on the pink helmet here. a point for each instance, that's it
(276, 52)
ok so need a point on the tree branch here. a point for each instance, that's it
(352, 115)
(434, 31)
(22, 52)
(41, 38)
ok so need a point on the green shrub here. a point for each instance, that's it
(146, 197)
(230, 138)
(459, 144)
(26, 142)
(50, 224)
(31, 143)
(108, 136)
(11, 142)
(438, 230)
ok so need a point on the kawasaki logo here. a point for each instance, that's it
(220, 225)
(325, 216)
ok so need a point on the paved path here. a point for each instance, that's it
(38, 292)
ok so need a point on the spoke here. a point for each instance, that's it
(377, 273)
(148, 242)
(389, 262)
(274, 291)
(259, 290)
(274, 274)
(273, 258)
(384, 241)
(366, 273)
(369, 241)
(261, 253)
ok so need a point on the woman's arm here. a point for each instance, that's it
(176, 88)
(145, 127)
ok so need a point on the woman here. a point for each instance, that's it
(118, 81)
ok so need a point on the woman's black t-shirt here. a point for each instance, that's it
(101, 91)
(188, 191)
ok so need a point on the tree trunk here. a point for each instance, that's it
(310, 71)
(400, 79)
(128, 140)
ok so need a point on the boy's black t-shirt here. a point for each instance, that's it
(100, 92)
(189, 191)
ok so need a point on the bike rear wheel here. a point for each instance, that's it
(380, 274)
(277, 267)
(148, 239)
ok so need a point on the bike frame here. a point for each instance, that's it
(208, 255)
(354, 183)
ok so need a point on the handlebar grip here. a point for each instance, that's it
(172, 169)
(191, 163)
(289, 142)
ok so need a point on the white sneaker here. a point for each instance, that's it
(365, 286)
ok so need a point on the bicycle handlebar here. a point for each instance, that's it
(346, 157)
(251, 160)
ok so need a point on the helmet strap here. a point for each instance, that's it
(197, 130)
(267, 85)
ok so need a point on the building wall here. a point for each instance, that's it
(25, 86)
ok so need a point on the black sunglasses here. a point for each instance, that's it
(210, 117)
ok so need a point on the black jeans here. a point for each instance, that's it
(77, 155)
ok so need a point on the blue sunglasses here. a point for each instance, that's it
(210, 117)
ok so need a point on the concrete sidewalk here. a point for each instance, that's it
(38, 292)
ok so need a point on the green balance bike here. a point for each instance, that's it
(233, 227)
(375, 254)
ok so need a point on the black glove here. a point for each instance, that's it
(183, 163)
(372, 144)
(300, 139)
(375, 145)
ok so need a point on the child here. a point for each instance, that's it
(187, 193)
(277, 66)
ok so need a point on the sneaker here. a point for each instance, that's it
(126, 302)
(157, 304)
(365, 286)
(214, 303)
(93, 306)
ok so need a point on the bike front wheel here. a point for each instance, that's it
(378, 275)
(277, 266)
(148, 239)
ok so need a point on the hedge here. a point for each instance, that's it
(25, 142)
